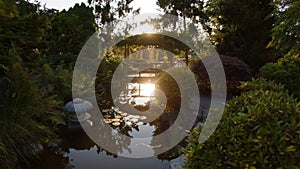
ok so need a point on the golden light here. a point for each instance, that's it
(147, 89)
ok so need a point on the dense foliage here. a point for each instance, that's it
(39, 46)
(286, 32)
(22, 30)
(109, 10)
(28, 117)
(33, 85)
(243, 29)
(237, 28)
(259, 129)
(169, 86)
(235, 71)
(70, 30)
(285, 71)
(28, 114)
(192, 12)
(104, 77)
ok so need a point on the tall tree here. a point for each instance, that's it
(192, 13)
(71, 29)
(109, 10)
(22, 30)
(189, 10)
(25, 110)
(286, 33)
(242, 29)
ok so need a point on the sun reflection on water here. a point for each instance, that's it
(147, 89)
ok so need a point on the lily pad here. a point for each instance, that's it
(139, 123)
(116, 123)
(118, 117)
(107, 121)
(134, 120)
(126, 118)
(107, 116)
(119, 112)
(128, 123)
(115, 120)
(105, 110)
(143, 117)
(124, 114)
(133, 116)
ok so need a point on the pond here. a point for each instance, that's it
(78, 151)
(75, 149)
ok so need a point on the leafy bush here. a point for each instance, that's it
(170, 88)
(235, 71)
(26, 117)
(61, 59)
(57, 81)
(259, 129)
(104, 77)
(286, 71)
(168, 85)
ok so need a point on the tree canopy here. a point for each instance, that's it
(156, 40)
(109, 10)
(71, 29)
(286, 32)
(191, 11)
(242, 29)
(38, 47)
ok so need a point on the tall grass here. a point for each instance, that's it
(25, 117)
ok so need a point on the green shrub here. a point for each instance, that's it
(286, 71)
(61, 59)
(57, 81)
(27, 117)
(235, 71)
(170, 88)
(168, 85)
(104, 77)
(259, 129)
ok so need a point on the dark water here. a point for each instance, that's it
(76, 150)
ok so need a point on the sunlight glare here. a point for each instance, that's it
(147, 89)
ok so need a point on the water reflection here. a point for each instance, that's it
(94, 160)
(141, 89)
(80, 151)
(138, 92)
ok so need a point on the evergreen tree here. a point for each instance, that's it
(242, 29)
(109, 10)
(192, 11)
(286, 33)
(70, 30)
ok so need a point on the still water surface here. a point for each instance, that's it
(77, 150)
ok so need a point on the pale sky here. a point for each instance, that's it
(147, 6)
